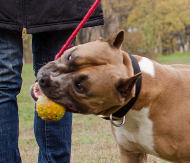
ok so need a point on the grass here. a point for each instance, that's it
(177, 58)
(92, 140)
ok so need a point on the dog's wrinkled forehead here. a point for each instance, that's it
(91, 54)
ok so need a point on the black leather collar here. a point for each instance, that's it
(124, 110)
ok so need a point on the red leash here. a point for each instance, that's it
(75, 32)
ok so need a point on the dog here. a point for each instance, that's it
(148, 103)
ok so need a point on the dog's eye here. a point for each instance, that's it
(79, 84)
(79, 87)
(69, 57)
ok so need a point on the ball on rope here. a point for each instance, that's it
(49, 110)
(46, 108)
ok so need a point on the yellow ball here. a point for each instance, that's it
(49, 110)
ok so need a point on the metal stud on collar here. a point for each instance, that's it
(115, 124)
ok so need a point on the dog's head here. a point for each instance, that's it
(92, 78)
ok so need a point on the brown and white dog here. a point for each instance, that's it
(98, 78)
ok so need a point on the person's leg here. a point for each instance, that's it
(11, 53)
(53, 138)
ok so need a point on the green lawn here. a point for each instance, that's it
(92, 140)
(178, 58)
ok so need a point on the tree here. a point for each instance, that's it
(160, 21)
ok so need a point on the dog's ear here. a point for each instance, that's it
(125, 86)
(117, 39)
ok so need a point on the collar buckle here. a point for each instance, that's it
(117, 124)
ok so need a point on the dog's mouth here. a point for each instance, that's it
(71, 108)
(36, 93)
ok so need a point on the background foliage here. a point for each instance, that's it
(152, 26)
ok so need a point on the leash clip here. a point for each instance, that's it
(115, 124)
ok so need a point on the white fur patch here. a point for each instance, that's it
(147, 66)
(137, 133)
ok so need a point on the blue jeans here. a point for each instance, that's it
(53, 138)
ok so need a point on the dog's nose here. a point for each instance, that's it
(44, 81)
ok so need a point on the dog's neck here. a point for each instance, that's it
(125, 109)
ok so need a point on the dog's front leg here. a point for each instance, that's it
(129, 157)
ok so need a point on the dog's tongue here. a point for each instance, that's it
(35, 91)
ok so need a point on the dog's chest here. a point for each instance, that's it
(137, 133)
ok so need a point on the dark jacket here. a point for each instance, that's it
(45, 15)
